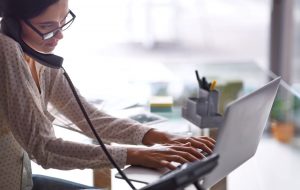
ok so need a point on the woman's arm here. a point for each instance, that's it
(24, 115)
(108, 127)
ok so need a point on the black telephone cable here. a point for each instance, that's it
(94, 130)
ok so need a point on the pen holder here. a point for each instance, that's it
(203, 110)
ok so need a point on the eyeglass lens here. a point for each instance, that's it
(66, 23)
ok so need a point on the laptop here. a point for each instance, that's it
(237, 141)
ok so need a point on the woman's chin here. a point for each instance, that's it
(44, 48)
(48, 49)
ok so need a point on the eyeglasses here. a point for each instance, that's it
(50, 29)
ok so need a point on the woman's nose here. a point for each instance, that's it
(59, 35)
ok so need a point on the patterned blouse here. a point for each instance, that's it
(26, 130)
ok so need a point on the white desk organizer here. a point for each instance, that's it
(203, 110)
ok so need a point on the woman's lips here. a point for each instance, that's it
(52, 44)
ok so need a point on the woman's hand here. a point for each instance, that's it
(206, 144)
(157, 137)
(160, 156)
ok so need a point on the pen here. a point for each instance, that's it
(198, 79)
(205, 84)
(212, 85)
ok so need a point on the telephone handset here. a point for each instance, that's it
(12, 28)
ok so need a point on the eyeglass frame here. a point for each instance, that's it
(44, 35)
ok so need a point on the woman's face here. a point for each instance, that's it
(51, 18)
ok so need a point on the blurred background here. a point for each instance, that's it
(120, 53)
(134, 49)
(123, 52)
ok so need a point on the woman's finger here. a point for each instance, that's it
(190, 157)
(167, 164)
(187, 156)
(177, 158)
(201, 145)
(205, 141)
(191, 150)
(211, 140)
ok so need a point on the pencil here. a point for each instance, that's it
(213, 85)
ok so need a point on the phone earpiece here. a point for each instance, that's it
(12, 28)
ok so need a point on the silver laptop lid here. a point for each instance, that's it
(238, 138)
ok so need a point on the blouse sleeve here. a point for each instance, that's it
(109, 128)
(27, 119)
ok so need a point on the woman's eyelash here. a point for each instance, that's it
(46, 26)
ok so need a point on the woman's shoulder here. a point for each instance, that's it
(10, 50)
(6, 42)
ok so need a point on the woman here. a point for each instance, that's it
(27, 87)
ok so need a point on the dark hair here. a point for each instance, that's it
(1, 8)
(24, 9)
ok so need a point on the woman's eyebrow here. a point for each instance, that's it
(46, 23)
(52, 22)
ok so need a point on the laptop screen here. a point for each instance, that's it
(238, 138)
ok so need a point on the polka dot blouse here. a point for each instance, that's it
(26, 124)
